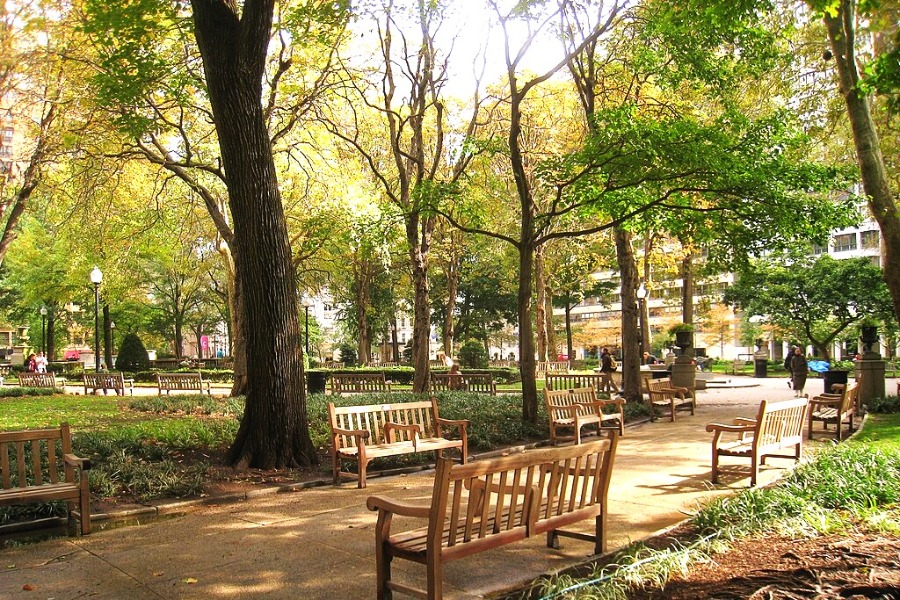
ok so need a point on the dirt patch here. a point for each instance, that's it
(853, 567)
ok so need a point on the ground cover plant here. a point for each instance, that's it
(830, 529)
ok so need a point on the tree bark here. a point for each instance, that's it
(274, 432)
(841, 35)
(419, 230)
(540, 304)
(628, 276)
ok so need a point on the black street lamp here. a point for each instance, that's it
(641, 294)
(43, 330)
(96, 279)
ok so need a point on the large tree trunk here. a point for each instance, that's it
(274, 432)
(841, 34)
(628, 276)
(452, 273)
(418, 234)
(540, 304)
(526, 331)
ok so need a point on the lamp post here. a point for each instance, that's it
(96, 279)
(43, 330)
(112, 335)
(644, 341)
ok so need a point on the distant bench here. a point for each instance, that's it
(661, 392)
(108, 381)
(565, 381)
(542, 368)
(490, 503)
(40, 380)
(364, 433)
(476, 383)
(37, 465)
(577, 407)
(359, 383)
(192, 382)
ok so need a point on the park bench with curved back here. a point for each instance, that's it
(836, 408)
(108, 381)
(490, 503)
(578, 408)
(566, 381)
(359, 383)
(662, 393)
(364, 433)
(477, 383)
(190, 382)
(778, 426)
(40, 380)
(37, 465)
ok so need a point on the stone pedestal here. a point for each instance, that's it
(684, 374)
(871, 378)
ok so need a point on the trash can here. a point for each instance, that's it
(760, 367)
(315, 382)
(832, 377)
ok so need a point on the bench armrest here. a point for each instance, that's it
(723, 428)
(362, 434)
(389, 429)
(80, 463)
(394, 507)
(820, 401)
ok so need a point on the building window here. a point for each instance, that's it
(869, 239)
(845, 242)
(7, 135)
(817, 249)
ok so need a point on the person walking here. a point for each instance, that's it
(799, 370)
(607, 368)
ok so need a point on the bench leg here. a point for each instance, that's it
(715, 465)
(435, 588)
(382, 556)
(553, 539)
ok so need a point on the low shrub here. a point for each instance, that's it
(18, 392)
(886, 405)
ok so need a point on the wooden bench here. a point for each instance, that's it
(565, 381)
(108, 381)
(544, 367)
(364, 433)
(579, 407)
(477, 383)
(662, 393)
(778, 426)
(834, 408)
(37, 465)
(359, 383)
(738, 365)
(192, 382)
(41, 380)
(490, 503)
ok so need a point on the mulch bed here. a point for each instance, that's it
(850, 566)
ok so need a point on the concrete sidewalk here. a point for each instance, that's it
(319, 543)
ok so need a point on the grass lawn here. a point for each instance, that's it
(32, 412)
(881, 431)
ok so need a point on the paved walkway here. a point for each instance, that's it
(318, 543)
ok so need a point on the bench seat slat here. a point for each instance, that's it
(39, 493)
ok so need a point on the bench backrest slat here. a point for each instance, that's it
(42, 380)
(372, 418)
(779, 424)
(32, 457)
(359, 383)
(506, 496)
(562, 381)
